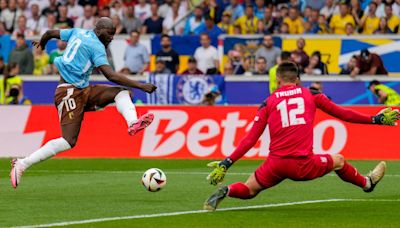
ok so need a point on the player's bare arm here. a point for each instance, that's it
(121, 79)
(48, 35)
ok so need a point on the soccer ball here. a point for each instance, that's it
(154, 179)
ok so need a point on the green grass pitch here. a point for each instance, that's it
(68, 190)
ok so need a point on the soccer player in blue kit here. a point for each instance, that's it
(74, 96)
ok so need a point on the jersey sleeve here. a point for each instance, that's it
(348, 115)
(99, 56)
(260, 122)
(65, 34)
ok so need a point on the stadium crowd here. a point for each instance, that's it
(25, 18)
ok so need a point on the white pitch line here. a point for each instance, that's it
(107, 219)
(141, 172)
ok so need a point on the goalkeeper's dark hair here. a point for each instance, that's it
(373, 83)
(288, 71)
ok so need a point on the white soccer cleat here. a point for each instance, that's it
(17, 169)
(376, 175)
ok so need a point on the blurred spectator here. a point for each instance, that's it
(259, 9)
(37, 22)
(63, 21)
(161, 67)
(173, 23)
(22, 56)
(61, 45)
(2, 65)
(298, 4)
(225, 25)
(206, 55)
(351, 65)
(3, 5)
(380, 8)
(41, 61)
(235, 59)
(210, 28)
(237, 30)
(316, 66)
(136, 56)
(270, 23)
(369, 22)
(211, 96)
(228, 68)
(22, 27)
(294, 21)
(385, 94)
(192, 68)
(396, 8)
(383, 27)
(50, 23)
(268, 51)
(119, 28)
(194, 22)
(248, 66)
(356, 9)
(338, 21)
(92, 3)
(130, 22)
(235, 9)
(248, 22)
(369, 64)
(317, 86)
(393, 21)
(153, 24)
(165, 8)
(10, 15)
(117, 9)
(86, 21)
(23, 8)
(51, 9)
(349, 30)
(168, 55)
(105, 12)
(329, 9)
(284, 28)
(314, 22)
(13, 91)
(299, 56)
(142, 10)
(261, 66)
(323, 25)
(74, 10)
(315, 4)
(273, 85)
(307, 13)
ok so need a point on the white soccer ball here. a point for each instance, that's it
(154, 179)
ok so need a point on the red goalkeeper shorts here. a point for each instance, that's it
(275, 170)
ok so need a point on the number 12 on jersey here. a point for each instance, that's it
(289, 117)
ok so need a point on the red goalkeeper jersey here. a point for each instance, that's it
(289, 113)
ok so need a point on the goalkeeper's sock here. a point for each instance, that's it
(49, 149)
(125, 106)
(239, 190)
(350, 174)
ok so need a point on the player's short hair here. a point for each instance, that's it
(373, 83)
(165, 36)
(262, 58)
(288, 71)
(135, 31)
(285, 56)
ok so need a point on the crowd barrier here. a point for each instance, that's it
(184, 132)
(336, 50)
(238, 90)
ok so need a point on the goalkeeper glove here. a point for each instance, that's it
(220, 168)
(386, 116)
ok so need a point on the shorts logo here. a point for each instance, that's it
(71, 115)
(324, 160)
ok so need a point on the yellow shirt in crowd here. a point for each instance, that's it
(247, 26)
(295, 26)
(227, 28)
(338, 23)
(370, 25)
(41, 63)
(393, 22)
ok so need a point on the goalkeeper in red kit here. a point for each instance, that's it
(289, 113)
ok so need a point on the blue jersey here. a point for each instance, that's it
(84, 52)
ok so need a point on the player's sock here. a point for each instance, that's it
(126, 107)
(239, 190)
(350, 174)
(50, 149)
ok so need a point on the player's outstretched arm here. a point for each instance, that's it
(220, 167)
(121, 79)
(385, 117)
(48, 35)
